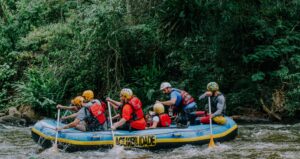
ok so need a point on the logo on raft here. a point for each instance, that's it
(136, 141)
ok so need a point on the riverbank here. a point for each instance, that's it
(25, 116)
(19, 116)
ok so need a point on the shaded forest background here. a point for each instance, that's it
(53, 50)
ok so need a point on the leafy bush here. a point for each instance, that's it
(146, 81)
(6, 74)
(42, 89)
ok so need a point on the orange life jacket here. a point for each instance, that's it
(136, 105)
(164, 120)
(98, 111)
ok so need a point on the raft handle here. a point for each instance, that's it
(96, 137)
(176, 135)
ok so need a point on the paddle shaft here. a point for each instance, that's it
(210, 120)
(110, 120)
(57, 124)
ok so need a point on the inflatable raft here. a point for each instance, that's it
(43, 132)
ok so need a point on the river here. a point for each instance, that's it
(255, 141)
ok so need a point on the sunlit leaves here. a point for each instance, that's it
(258, 76)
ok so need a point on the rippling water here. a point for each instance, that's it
(253, 141)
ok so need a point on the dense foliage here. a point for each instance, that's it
(52, 50)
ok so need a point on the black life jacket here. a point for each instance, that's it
(214, 103)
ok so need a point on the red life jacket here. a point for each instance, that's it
(164, 120)
(186, 97)
(98, 111)
(136, 105)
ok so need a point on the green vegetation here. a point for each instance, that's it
(52, 50)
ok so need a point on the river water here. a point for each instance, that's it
(254, 141)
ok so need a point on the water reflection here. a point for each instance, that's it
(253, 141)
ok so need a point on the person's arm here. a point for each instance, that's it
(70, 116)
(169, 102)
(114, 103)
(173, 99)
(118, 124)
(72, 108)
(155, 121)
(115, 117)
(59, 106)
(71, 125)
(126, 116)
(206, 94)
(154, 125)
(79, 117)
(202, 96)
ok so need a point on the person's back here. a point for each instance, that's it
(175, 93)
(92, 113)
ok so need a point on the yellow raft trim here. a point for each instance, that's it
(174, 140)
(73, 142)
(207, 137)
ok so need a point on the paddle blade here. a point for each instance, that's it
(211, 142)
(53, 149)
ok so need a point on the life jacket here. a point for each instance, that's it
(136, 105)
(186, 97)
(98, 111)
(214, 103)
(164, 120)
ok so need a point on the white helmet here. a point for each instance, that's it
(126, 92)
(165, 85)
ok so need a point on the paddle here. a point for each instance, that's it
(211, 142)
(110, 119)
(56, 135)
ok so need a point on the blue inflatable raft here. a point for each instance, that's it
(43, 132)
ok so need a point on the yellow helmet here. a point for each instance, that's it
(126, 92)
(88, 94)
(158, 108)
(78, 100)
(212, 86)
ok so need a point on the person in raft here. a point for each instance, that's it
(218, 104)
(94, 112)
(159, 118)
(91, 116)
(131, 112)
(181, 102)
